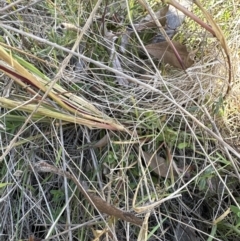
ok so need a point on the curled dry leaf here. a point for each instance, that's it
(103, 141)
(164, 53)
(158, 164)
(98, 203)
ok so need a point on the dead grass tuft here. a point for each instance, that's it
(80, 93)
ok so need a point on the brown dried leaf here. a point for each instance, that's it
(32, 238)
(164, 52)
(158, 164)
(103, 141)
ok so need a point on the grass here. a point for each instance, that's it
(64, 105)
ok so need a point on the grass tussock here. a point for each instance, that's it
(160, 144)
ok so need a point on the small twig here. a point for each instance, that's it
(98, 203)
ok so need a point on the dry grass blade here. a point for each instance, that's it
(68, 101)
(220, 36)
(43, 111)
(144, 229)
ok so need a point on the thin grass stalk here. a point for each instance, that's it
(45, 112)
